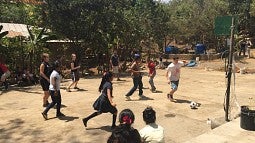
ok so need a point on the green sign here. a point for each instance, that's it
(222, 25)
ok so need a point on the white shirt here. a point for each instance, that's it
(174, 71)
(152, 133)
(54, 75)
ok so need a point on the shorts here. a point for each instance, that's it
(115, 69)
(75, 76)
(174, 85)
(45, 84)
(5, 76)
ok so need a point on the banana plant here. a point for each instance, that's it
(37, 37)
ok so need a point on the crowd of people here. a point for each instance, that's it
(124, 132)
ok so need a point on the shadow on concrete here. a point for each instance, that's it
(170, 115)
(15, 130)
(104, 128)
(26, 89)
(144, 98)
(181, 101)
(157, 91)
(82, 89)
(68, 118)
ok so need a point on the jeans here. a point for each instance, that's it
(137, 81)
(56, 99)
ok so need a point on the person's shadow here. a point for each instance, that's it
(185, 101)
(105, 128)
(68, 118)
(181, 101)
(82, 89)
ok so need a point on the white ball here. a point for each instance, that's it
(193, 105)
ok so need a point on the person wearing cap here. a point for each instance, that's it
(137, 78)
(173, 76)
(152, 132)
(54, 90)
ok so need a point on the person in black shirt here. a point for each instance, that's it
(75, 73)
(45, 78)
(115, 64)
(242, 47)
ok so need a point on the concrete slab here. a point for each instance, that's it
(230, 132)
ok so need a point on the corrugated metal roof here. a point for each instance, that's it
(15, 29)
(30, 1)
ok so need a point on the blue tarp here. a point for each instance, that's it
(192, 63)
(171, 50)
(200, 49)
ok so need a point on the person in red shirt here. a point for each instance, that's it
(152, 72)
(4, 72)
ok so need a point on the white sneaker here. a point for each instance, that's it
(128, 98)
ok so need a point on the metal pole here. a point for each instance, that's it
(230, 62)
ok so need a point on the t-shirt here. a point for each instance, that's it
(152, 133)
(151, 67)
(3, 68)
(47, 69)
(106, 86)
(135, 67)
(115, 60)
(76, 64)
(174, 71)
(55, 75)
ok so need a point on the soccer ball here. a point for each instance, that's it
(193, 105)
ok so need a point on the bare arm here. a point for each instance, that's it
(167, 78)
(74, 68)
(42, 72)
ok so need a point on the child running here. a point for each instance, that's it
(173, 76)
(54, 90)
(104, 102)
(152, 72)
(137, 78)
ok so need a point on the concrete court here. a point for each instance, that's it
(21, 120)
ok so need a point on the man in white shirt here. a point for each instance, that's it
(173, 75)
(54, 89)
(151, 133)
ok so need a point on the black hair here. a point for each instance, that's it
(106, 78)
(149, 115)
(124, 134)
(127, 117)
(56, 65)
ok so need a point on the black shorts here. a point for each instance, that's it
(75, 76)
(45, 84)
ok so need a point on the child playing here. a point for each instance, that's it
(104, 102)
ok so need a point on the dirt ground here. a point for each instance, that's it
(21, 107)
